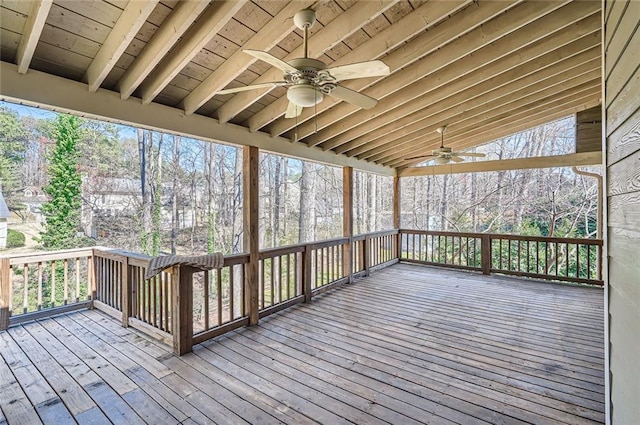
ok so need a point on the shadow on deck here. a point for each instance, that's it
(410, 344)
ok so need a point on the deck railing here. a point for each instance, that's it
(183, 306)
(561, 259)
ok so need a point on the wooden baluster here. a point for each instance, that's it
(272, 281)
(125, 292)
(509, 254)
(53, 283)
(566, 259)
(366, 254)
(6, 293)
(280, 277)
(219, 291)
(91, 278)
(39, 286)
(262, 283)
(528, 257)
(161, 308)
(289, 274)
(77, 279)
(168, 313)
(25, 285)
(65, 265)
(231, 294)
(578, 260)
(557, 258)
(205, 299)
(588, 261)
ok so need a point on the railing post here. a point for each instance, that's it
(366, 255)
(485, 251)
(125, 293)
(306, 273)
(5, 292)
(396, 215)
(182, 308)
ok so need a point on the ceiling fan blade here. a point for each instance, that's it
(477, 155)
(456, 158)
(293, 110)
(353, 97)
(271, 60)
(359, 70)
(252, 87)
(420, 157)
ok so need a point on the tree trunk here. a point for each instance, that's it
(307, 218)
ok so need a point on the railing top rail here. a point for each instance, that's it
(379, 233)
(282, 250)
(553, 239)
(36, 257)
(327, 243)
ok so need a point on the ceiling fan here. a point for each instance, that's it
(443, 155)
(308, 79)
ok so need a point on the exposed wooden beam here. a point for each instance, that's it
(328, 37)
(182, 17)
(125, 29)
(437, 37)
(251, 228)
(271, 34)
(421, 19)
(467, 52)
(486, 107)
(209, 24)
(570, 160)
(446, 103)
(31, 33)
(523, 39)
(486, 131)
(65, 95)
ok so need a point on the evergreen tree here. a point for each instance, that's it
(62, 211)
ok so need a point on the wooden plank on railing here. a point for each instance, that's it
(5, 292)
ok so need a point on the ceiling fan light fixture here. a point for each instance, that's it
(440, 160)
(304, 95)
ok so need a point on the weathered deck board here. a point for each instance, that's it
(407, 345)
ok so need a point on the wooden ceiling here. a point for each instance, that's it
(485, 68)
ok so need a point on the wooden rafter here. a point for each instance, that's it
(464, 63)
(449, 102)
(209, 24)
(271, 34)
(337, 30)
(182, 17)
(31, 33)
(125, 29)
(526, 117)
(496, 107)
(381, 43)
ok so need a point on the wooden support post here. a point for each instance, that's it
(250, 229)
(306, 273)
(182, 304)
(125, 292)
(396, 215)
(5, 292)
(347, 221)
(485, 252)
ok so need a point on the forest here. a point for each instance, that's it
(156, 193)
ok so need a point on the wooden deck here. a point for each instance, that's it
(410, 344)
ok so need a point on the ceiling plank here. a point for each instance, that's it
(421, 19)
(455, 98)
(125, 29)
(174, 27)
(484, 131)
(425, 140)
(437, 37)
(69, 96)
(333, 33)
(31, 33)
(209, 24)
(497, 53)
(569, 160)
(271, 34)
